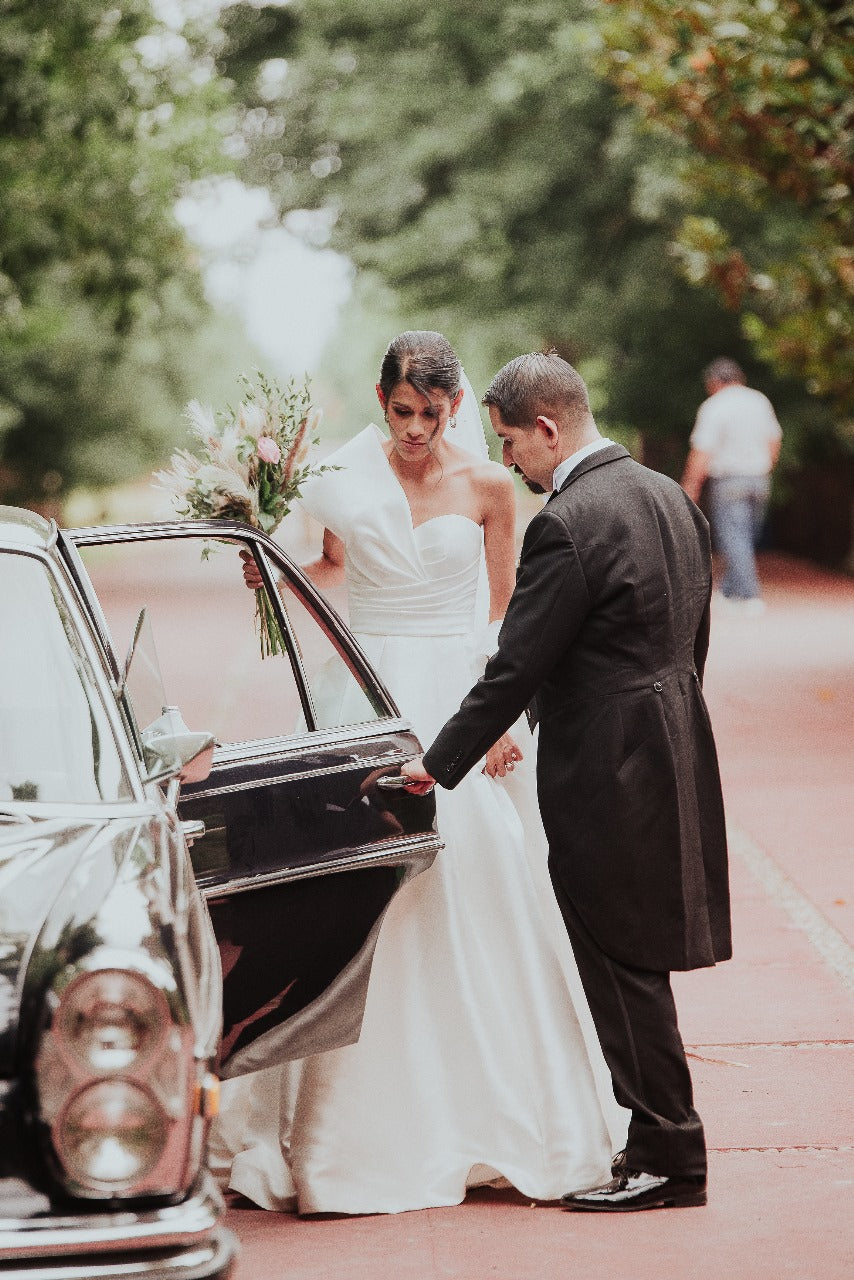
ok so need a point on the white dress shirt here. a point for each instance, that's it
(565, 468)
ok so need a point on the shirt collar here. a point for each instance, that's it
(564, 469)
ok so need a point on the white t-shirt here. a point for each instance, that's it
(736, 427)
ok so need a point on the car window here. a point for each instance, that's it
(204, 622)
(56, 742)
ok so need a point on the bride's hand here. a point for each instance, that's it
(502, 757)
(251, 572)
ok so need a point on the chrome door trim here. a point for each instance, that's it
(379, 854)
(323, 770)
(297, 744)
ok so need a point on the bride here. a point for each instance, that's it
(477, 1060)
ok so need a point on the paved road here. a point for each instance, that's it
(771, 1034)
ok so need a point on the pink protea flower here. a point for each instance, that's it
(268, 450)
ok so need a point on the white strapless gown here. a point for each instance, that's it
(477, 1059)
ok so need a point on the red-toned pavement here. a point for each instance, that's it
(771, 1034)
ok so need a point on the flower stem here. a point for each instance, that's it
(272, 639)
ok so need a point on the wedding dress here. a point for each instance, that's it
(477, 1059)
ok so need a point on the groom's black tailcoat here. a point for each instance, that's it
(608, 627)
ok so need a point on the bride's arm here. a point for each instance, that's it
(499, 538)
(499, 542)
(328, 569)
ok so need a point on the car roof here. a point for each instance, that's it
(19, 527)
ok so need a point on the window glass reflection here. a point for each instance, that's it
(338, 695)
(208, 646)
(56, 743)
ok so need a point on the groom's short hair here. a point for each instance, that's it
(541, 382)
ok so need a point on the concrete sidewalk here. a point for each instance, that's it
(771, 1034)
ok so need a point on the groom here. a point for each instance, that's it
(608, 628)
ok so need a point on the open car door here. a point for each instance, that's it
(296, 848)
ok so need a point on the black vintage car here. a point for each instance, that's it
(118, 1011)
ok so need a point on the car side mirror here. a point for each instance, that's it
(170, 749)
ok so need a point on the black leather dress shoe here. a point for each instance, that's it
(630, 1190)
(618, 1163)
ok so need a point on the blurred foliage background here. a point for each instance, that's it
(642, 184)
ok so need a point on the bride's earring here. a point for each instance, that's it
(452, 421)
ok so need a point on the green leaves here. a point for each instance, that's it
(476, 162)
(764, 94)
(105, 115)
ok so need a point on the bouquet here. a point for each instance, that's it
(250, 467)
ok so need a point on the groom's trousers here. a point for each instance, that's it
(634, 1014)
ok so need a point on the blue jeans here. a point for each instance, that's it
(737, 507)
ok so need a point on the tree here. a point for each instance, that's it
(105, 113)
(763, 93)
(479, 164)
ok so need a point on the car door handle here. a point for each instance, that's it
(393, 782)
(193, 830)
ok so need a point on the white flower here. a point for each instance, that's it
(231, 438)
(183, 471)
(202, 420)
(252, 419)
(226, 479)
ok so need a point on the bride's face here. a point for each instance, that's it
(416, 423)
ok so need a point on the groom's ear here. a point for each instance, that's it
(549, 428)
(381, 396)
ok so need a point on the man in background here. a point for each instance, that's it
(734, 445)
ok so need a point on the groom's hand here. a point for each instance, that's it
(421, 782)
(502, 757)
